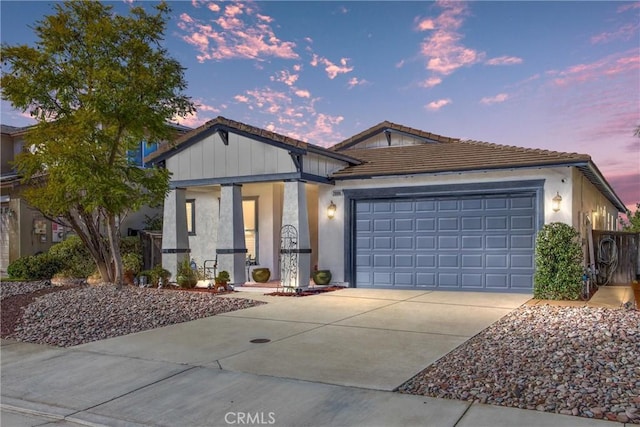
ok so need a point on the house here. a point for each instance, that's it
(24, 230)
(411, 209)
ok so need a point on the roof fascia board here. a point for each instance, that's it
(332, 154)
(250, 179)
(221, 127)
(602, 183)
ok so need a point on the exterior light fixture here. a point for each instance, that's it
(331, 210)
(556, 201)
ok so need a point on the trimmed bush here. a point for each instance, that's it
(74, 257)
(35, 267)
(558, 263)
(130, 244)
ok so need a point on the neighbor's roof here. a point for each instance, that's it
(222, 123)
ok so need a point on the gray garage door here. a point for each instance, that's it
(482, 243)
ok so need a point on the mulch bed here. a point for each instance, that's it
(307, 292)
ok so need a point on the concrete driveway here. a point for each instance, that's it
(374, 339)
(331, 360)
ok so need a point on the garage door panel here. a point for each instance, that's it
(382, 261)
(382, 225)
(406, 261)
(471, 242)
(404, 242)
(522, 242)
(472, 280)
(472, 223)
(522, 223)
(384, 243)
(403, 279)
(472, 261)
(403, 224)
(448, 224)
(499, 223)
(522, 261)
(447, 242)
(448, 261)
(426, 261)
(481, 242)
(425, 224)
(426, 279)
(496, 261)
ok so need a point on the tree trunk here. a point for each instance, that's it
(113, 234)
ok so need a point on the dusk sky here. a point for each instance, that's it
(563, 76)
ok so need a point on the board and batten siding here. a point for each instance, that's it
(210, 158)
(321, 165)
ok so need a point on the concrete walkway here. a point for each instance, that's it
(330, 360)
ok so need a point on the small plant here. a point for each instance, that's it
(156, 276)
(222, 280)
(559, 260)
(132, 262)
(187, 277)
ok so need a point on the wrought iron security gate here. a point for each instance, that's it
(289, 258)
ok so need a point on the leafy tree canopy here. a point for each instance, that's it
(97, 84)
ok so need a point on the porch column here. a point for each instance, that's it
(175, 237)
(294, 212)
(231, 249)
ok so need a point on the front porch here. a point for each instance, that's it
(228, 224)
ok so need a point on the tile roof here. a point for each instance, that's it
(381, 127)
(454, 156)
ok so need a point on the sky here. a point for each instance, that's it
(561, 76)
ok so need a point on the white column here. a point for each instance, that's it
(175, 237)
(231, 249)
(295, 213)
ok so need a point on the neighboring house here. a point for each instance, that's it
(413, 210)
(24, 230)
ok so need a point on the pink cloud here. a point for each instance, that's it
(608, 66)
(332, 69)
(442, 48)
(204, 112)
(489, 100)
(425, 24)
(430, 82)
(626, 186)
(354, 81)
(504, 60)
(400, 63)
(436, 105)
(285, 77)
(237, 32)
(241, 98)
(625, 32)
(302, 93)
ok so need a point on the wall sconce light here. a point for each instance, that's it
(331, 210)
(556, 201)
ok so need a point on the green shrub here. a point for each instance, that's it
(35, 267)
(132, 262)
(74, 257)
(558, 263)
(130, 244)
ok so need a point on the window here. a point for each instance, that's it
(191, 216)
(250, 214)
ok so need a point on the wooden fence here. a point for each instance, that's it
(617, 256)
(151, 249)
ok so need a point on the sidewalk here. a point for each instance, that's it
(332, 360)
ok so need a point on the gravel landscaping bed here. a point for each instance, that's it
(579, 361)
(79, 313)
